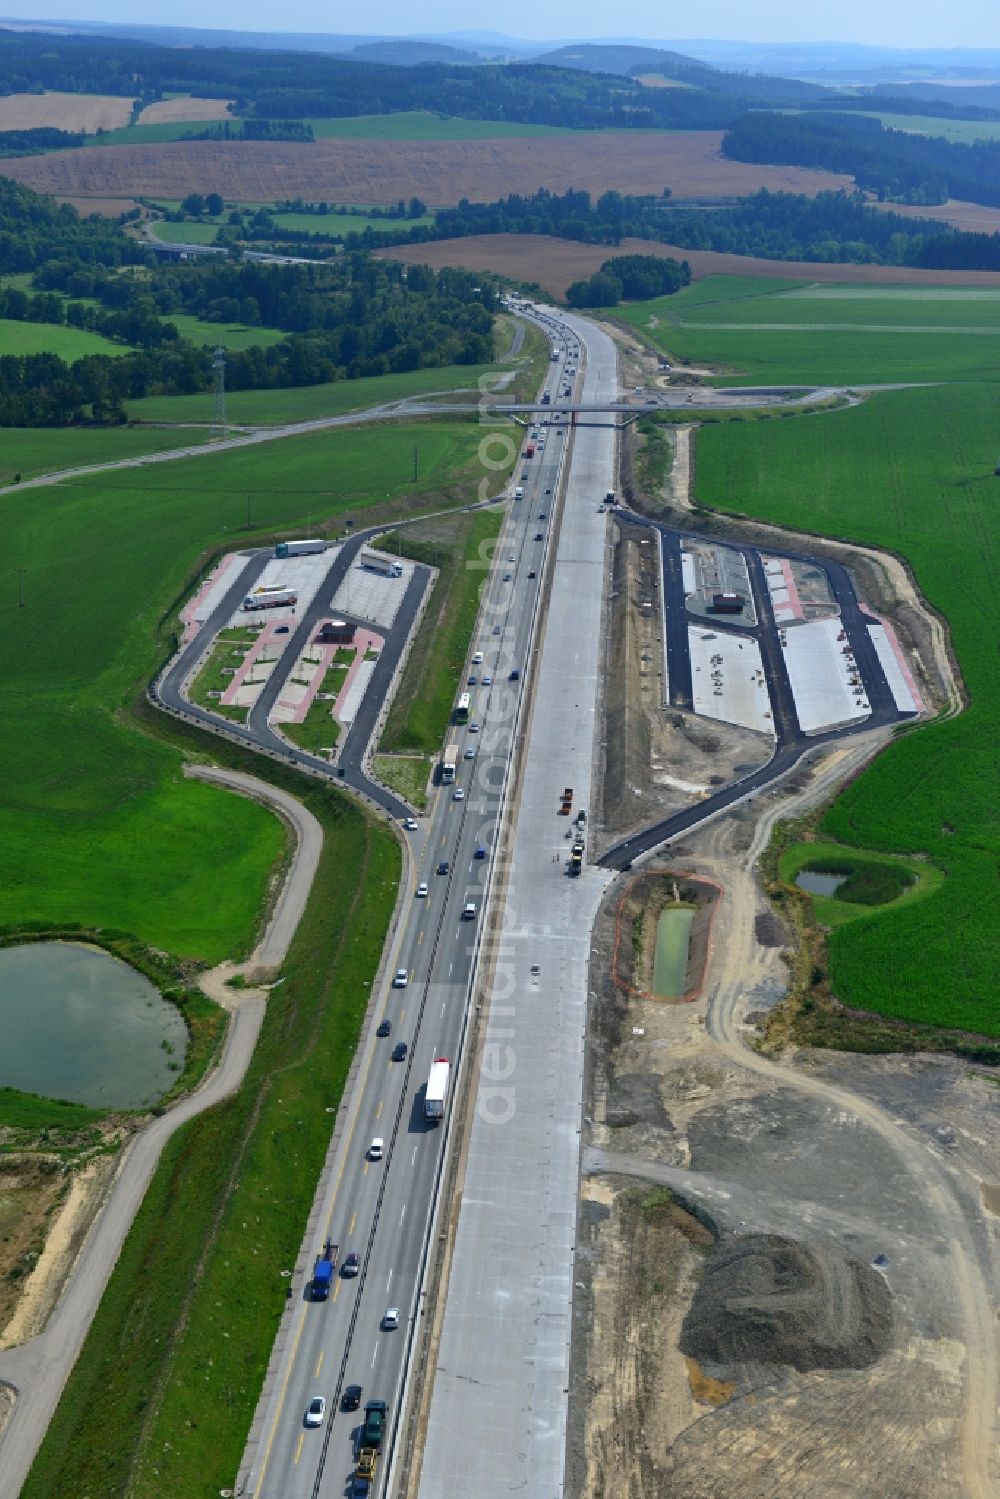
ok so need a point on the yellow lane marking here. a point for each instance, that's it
(420, 938)
(354, 1219)
(319, 1362)
(378, 1111)
(298, 1449)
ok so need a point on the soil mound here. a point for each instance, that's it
(769, 1300)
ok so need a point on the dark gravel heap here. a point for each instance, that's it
(765, 1299)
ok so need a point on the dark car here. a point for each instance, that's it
(480, 853)
(506, 577)
(538, 536)
(351, 1398)
(443, 867)
(384, 1028)
(399, 1051)
(281, 630)
(472, 680)
(351, 1265)
(542, 515)
(360, 1488)
(532, 574)
(515, 675)
(548, 491)
(374, 1431)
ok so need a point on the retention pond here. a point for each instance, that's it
(670, 963)
(81, 1025)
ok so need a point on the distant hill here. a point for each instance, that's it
(633, 61)
(401, 52)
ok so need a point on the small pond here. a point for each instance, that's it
(817, 883)
(670, 962)
(81, 1025)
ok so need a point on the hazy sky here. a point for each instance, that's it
(899, 23)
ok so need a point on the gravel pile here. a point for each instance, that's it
(765, 1299)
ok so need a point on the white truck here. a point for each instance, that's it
(299, 548)
(437, 1088)
(383, 565)
(271, 598)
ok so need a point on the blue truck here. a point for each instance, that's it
(323, 1271)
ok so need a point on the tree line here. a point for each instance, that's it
(632, 278)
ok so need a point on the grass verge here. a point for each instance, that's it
(461, 547)
(407, 775)
(165, 1387)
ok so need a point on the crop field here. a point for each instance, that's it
(440, 172)
(87, 112)
(420, 125)
(18, 337)
(186, 109)
(553, 263)
(181, 865)
(190, 232)
(829, 334)
(300, 403)
(911, 471)
(47, 450)
(951, 130)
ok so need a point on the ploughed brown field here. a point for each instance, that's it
(554, 263)
(439, 172)
(172, 111)
(87, 112)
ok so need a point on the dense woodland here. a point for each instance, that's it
(355, 316)
(894, 165)
(630, 278)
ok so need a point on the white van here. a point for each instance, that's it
(519, 492)
(477, 659)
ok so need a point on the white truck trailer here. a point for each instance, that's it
(383, 565)
(299, 548)
(271, 598)
(437, 1088)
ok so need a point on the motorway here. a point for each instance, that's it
(381, 1210)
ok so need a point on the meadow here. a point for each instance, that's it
(98, 825)
(910, 471)
(300, 403)
(754, 328)
(420, 125)
(228, 335)
(21, 338)
(951, 130)
(890, 874)
(47, 450)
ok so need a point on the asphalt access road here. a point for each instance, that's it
(791, 743)
(675, 618)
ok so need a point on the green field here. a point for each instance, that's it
(229, 336)
(163, 1393)
(47, 450)
(53, 338)
(98, 825)
(302, 403)
(951, 130)
(461, 549)
(853, 334)
(910, 471)
(418, 125)
(187, 232)
(151, 135)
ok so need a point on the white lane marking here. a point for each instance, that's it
(413, 1156)
(401, 1217)
(389, 1281)
(443, 1007)
(375, 1355)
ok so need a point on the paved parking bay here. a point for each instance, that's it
(728, 678)
(821, 676)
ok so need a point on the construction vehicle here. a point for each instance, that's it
(367, 1461)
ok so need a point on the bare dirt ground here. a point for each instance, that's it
(554, 263)
(439, 172)
(975, 218)
(172, 111)
(840, 1341)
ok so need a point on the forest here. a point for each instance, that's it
(894, 165)
(347, 318)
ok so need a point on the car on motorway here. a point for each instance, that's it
(315, 1411)
(532, 574)
(506, 577)
(399, 1052)
(410, 824)
(469, 913)
(477, 659)
(548, 491)
(443, 867)
(401, 979)
(496, 629)
(474, 727)
(351, 1265)
(539, 536)
(480, 853)
(384, 1028)
(374, 1427)
(487, 680)
(376, 1149)
(421, 890)
(458, 795)
(472, 680)
(360, 1488)
(542, 515)
(470, 752)
(390, 1320)
(351, 1398)
(515, 675)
